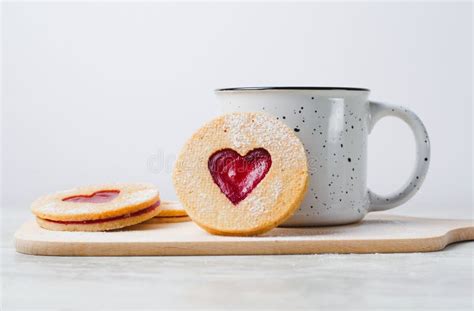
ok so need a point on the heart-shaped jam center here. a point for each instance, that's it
(238, 175)
(102, 196)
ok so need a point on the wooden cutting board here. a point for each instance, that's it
(378, 233)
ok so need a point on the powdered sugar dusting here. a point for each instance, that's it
(263, 130)
(257, 206)
(276, 188)
(140, 196)
(235, 126)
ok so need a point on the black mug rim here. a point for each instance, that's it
(309, 88)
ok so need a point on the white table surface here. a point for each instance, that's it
(439, 280)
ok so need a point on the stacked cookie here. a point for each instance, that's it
(170, 212)
(97, 208)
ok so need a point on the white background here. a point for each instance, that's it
(97, 93)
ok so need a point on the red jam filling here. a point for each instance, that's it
(238, 175)
(102, 196)
(98, 221)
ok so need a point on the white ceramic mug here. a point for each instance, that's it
(334, 123)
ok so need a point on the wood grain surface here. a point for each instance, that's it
(378, 233)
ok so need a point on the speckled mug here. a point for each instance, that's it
(334, 123)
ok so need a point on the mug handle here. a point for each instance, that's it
(376, 112)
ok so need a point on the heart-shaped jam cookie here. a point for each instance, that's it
(238, 175)
(241, 174)
(97, 208)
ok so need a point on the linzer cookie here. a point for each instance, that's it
(171, 209)
(97, 208)
(170, 212)
(241, 174)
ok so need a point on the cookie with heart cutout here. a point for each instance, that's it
(97, 208)
(241, 174)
